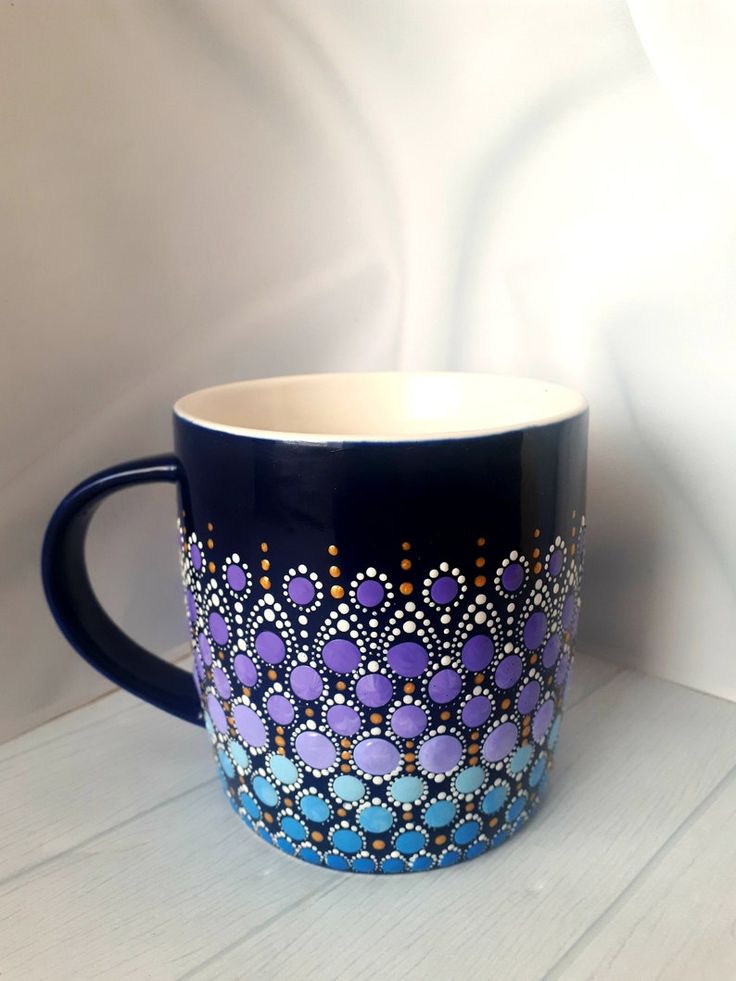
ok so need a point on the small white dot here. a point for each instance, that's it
(373, 623)
(410, 607)
(408, 699)
(477, 690)
(514, 555)
(304, 634)
(445, 566)
(303, 620)
(302, 569)
(376, 731)
(508, 648)
(446, 659)
(215, 599)
(278, 686)
(242, 644)
(236, 557)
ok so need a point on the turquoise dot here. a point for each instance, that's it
(285, 845)
(364, 865)
(250, 806)
(314, 808)
(293, 828)
(226, 763)
(449, 858)
(348, 788)
(477, 849)
(466, 833)
(521, 758)
(421, 863)
(538, 771)
(410, 842)
(208, 725)
(407, 789)
(311, 855)
(440, 813)
(265, 791)
(337, 862)
(554, 733)
(469, 779)
(347, 841)
(239, 754)
(375, 819)
(283, 769)
(392, 865)
(515, 808)
(494, 800)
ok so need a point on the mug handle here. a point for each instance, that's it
(74, 605)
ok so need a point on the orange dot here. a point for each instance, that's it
(340, 686)
(345, 743)
(480, 581)
(410, 768)
(341, 812)
(573, 531)
(246, 691)
(211, 527)
(537, 567)
(268, 817)
(410, 744)
(265, 582)
(445, 715)
(334, 571)
(406, 564)
(345, 755)
(379, 845)
(210, 543)
(265, 565)
(317, 836)
(407, 815)
(406, 589)
(473, 749)
(572, 549)
(309, 711)
(440, 839)
(535, 553)
(470, 806)
(493, 822)
(525, 731)
(281, 751)
(337, 592)
(480, 562)
(406, 546)
(332, 549)
(481, 542)
(537, 533)
(288, 801)
(264, 546)
(376, 718)
(211, 566)
(279, 740)
(345, 767)
(533, 659)
(409, 688)
(473, 761)
(409, 757)
(280, 730)
(272, 674)
(479, 679)
(506, 703)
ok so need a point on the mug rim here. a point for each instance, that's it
(565, 403)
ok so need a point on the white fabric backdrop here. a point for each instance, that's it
(197, 191)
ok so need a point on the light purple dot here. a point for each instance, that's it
(543, 719)
(305, 682)
(535, 629)
(568, 611)
(301, 590)
(477, 652)
(343, 719)
(216, 713)
(528, 697)
(555, 562)
(500, 741)
(222, 683)
(341, 655)
(512, 577)
(270, 647)
(376, 756)
(562, 671)
(408, 721)
(551, 651)
(218, 628)
(315, 749)
(280, 709)
(440, 753)
(476, 711)
(508, 671)
(408, 658)
(249, 726)
(245, 669)
(444, 686)
(374, 690)
(196, 555)
(205, 649)
(199, 671)
(236, 577)
(370, 593)
(191, 606)
(444, 590)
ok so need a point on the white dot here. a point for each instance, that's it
(241, 644)
(303, 620)
(268, 599)
(215, 599)
(236, 557)
(373, 624)
(370, 571)
(344, 608)
(537, 599)
(302, 569)
(373, 665)
(477, 690)
(480, 599)
(238, 618)
(408, 699)
(410, 607)
(445, 618)
(376, 731)
(269, 614)
(343, 625)
(311, 724)
(446, 659)
(481, 616)
(445, 566)
(508, 648)
(419, 614)
(514, 555)
(304, 634)
(410, 626)
(302, 657)
(238, 607)
(339, 698)
(278, 686)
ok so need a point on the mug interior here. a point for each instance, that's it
(380, 406)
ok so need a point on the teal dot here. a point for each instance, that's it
(293, 828)
(364, 865)
(554, 733)
(410, 842)
(440, 813)
(285, 845)
(392, 865)
(407, 789)
(421, 863)
(283, 769)
(494, 800)
(348, 788)
(265, 791)
(469, 779)
(347, 841)
(515, 808)
(375, 819)
(338, 862)
(449, 858)
(249, 805)
(314, 808)
(226, 763)
(538, 771)
(239, 755)
(311, 855)
(521, 758)
(466, 833)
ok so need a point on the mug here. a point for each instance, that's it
(382, 582)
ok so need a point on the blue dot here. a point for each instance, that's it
(538, 771)
(521, 758)
(226, 763)
(265, 834)
(208, 725)
(494, 800)
(469, 779)
(348, 788)
(265, 791)
(499, 839)
(407, 789)
(238, 753)
(554, 733)
(347, 841)
(466, 833)
(337, 862)
(314, 808)
(392, 865)
(283, 769)
(449, 858)
(440, 813)
(410, 842)
(311, 855)
(375, 819)
(293, 828)
(250, 806)
(477, 849)
(285, 845)
(515, 808)
(363, 865)
(421, 863)
(246, 820)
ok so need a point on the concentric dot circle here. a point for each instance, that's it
(314, 808)
(374, 690)
(444, 686)
(409, 721)
(440, 813)
(280, 709)
(283, 769)
(245, 670)
(476, 711)
(370, 593)
(348, 788)
(375, 818)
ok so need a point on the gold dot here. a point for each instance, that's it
(375, 719)
(537, 532)
(345, 754)
(345, 767)
(444, 716)
(288, 801)
(406, 546)
(210, 543)
(340, 686)
(212, 566)
(535, 553)
(493, 822)
(473, 761)
(345, 743)
(272, 674)
(406, 589)
(334, 571)
(480, 678)
(533, 659)
(246, 692)
(379, 845)
(332, 549)
(410, 768)
(506, 703)
(280, 730)
(470, 806)
(481, 542)
(480, 562)
(268, 817)
(265, 565)
(407, 815)
(341, 812)
(309, 711)
(264, 546)
(317, 836)
(265, 582)
(473, 749)
(537, 567)
(337, 592)
(409, 757)
(211, 527)
(410, 744)
(279, 740)
(573, 531)
(474, 734)
(281, 751)
(525, 731)
(480, 580)
(409, 688)
(406, 564)
(440, 839)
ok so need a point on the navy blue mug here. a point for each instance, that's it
(382, 582)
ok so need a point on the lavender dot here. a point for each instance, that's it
(376, 756)
(408, 658)
(512, 577)
(440, 753)
(551, 651)
(444, 590)
(199, 670)
(222, 683)
(509, 671)
(543, 719)
(270, 647)
(191, 606)
(280, 709)
(370, 593)
(476, 711)
(301, 590)
(528, 697)
(374, 690)
(196, 555)
(315, 749)
(249, 725)
(408, 721)
(236, 577)
(245, 669)
(555, 562)
(343, 719)
(563, 669)
(340, 655)
(218, 628)
(568, 611)
(216, 713)
(477, 652)
(535, 629)
(500, 741)
(444, 686)
(205, 649)
(306, 682)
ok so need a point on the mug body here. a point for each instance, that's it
(382, 577)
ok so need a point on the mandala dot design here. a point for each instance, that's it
(395, 719)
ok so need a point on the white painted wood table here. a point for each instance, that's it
(120, 858)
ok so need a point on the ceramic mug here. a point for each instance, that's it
(382, 577)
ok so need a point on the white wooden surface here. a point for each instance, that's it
(120, 858)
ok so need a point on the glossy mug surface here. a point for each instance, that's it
(382, 582)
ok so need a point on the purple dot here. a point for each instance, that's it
(512, 577)
(535, 629)
(249, 726)
(218, 628)
(477, 652)
(340, 655)
(440, 753)
(551, 651)
(222, 683)
(245, 669)
(315, 749)
(476, 711)
(528, 697)
(191, 606)
(196, 555)
(555, 562)
(408, 721)
(444, 686)
(280, 709)
(376, 756)
(509, 671)
(408, 658)
(374, 690)
(306, 682)
(500, 742)
(271, 647)
(235, 577)
(562, 670)
(216, 713)
(198, 669)
(343, 719)
(543, 719)
(370, 593)
(204, 649)
(301, 590)
(444, 589)
(568, 611)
